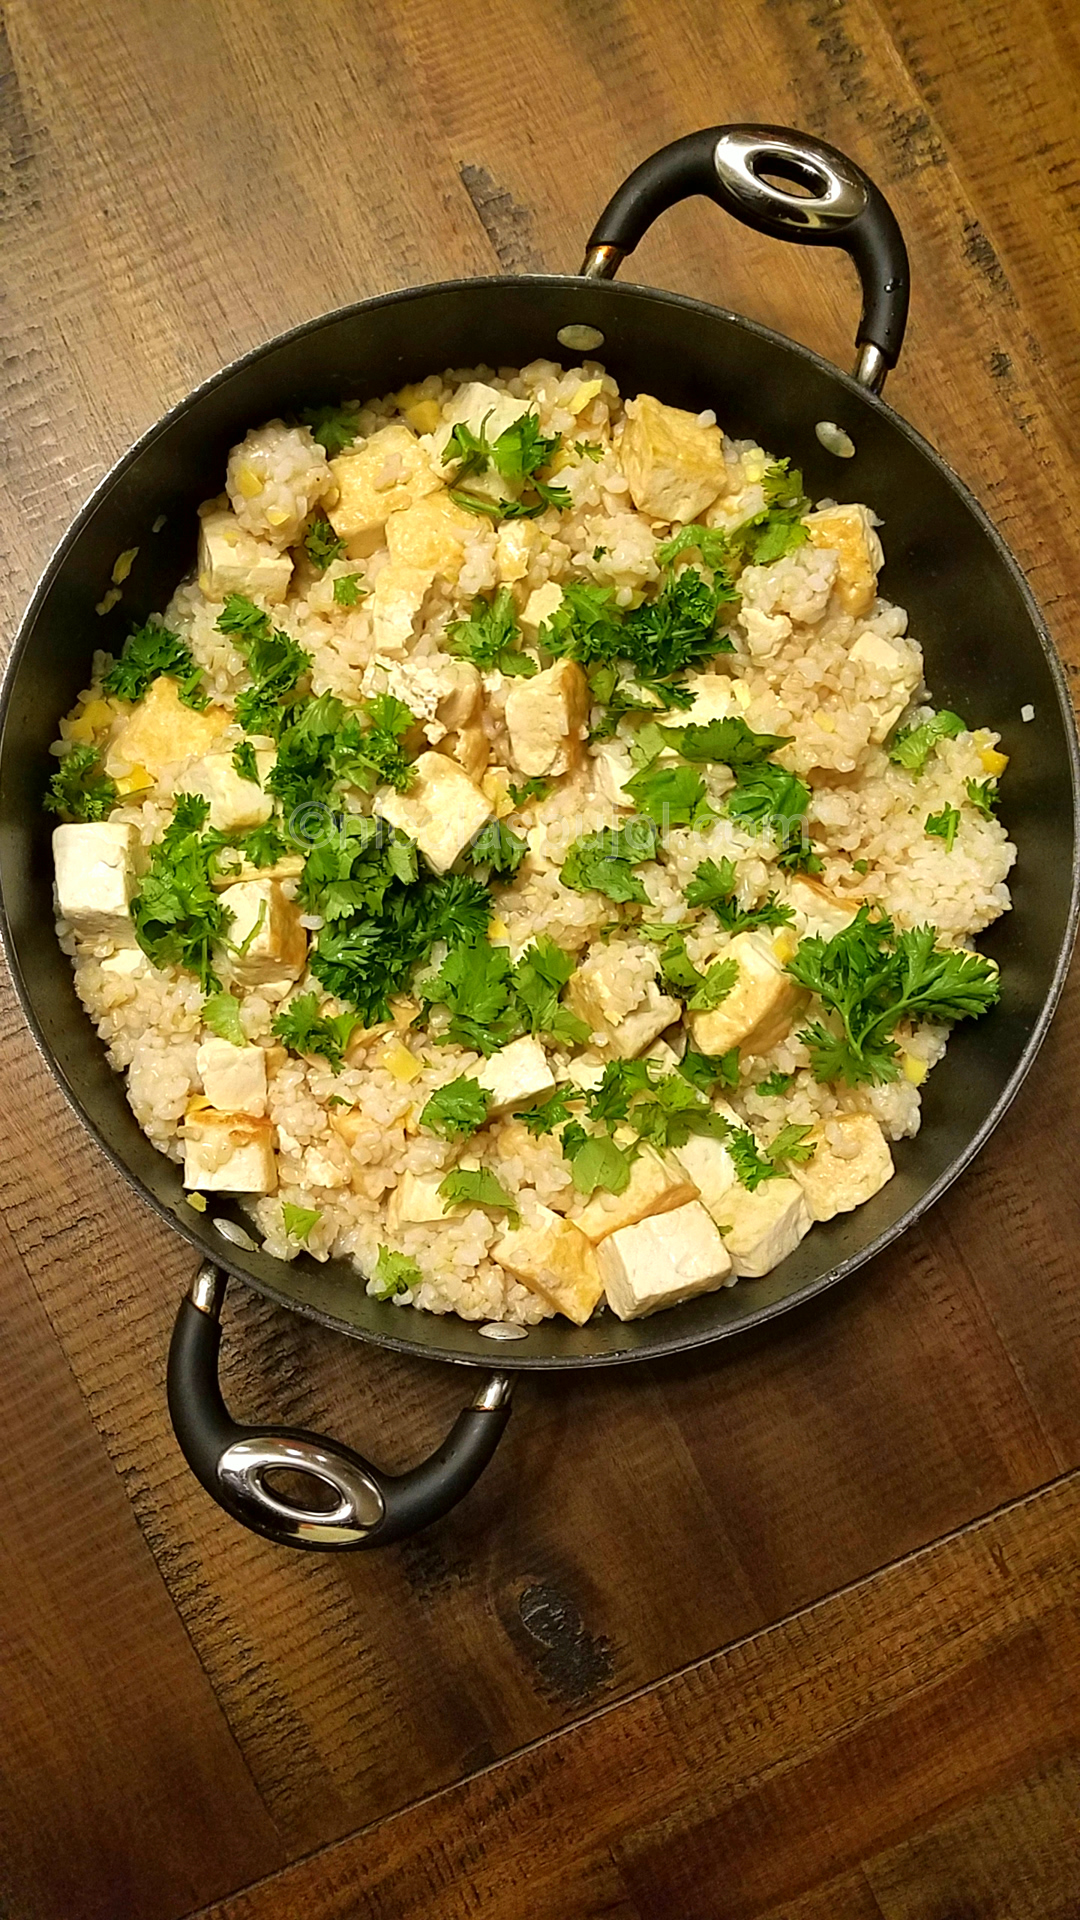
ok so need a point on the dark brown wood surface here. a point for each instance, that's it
(788, 1630)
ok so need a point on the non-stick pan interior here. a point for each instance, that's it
(985, 652)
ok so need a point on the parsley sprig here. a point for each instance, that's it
(178, 916)
(490, 637)
(150, 651)
(80, 789)
(517, 455)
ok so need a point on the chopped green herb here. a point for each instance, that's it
(490, 637)
(622, 1079)
(550, 1112)
(775, 1085)
(177, 914)
(730, 743)
(150, 651)
(913, 746)
(275, 664)
(673, 1113)
(982, 794)
(720, 978)
(588, 450)
(539, 978)
(368, 748)
(779, 528)
(394, 1273)
(262, 847)
(710, 543)
(245, 763)
(221, 1013)
(80, 789)
(603, 862)
(321, 543)
(714, 886)
(456, 1110)
(596, 1161)
(298, 1221)
(707, 1072)
(347, 590)
(861, 866)
(534, 788)
(497, 847)
(754, 1163)
(358, 858)
(303, 1029)
(944, 825)
(335, 428)
(599, 552)
(517, 454)
(672, 796)
(871, 978)
(478, 1187)
(476, 982)
(368, 957)
(243, 620)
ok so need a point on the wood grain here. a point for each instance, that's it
(177, 184)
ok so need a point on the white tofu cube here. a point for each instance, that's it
(431, 535)
(622, 1026)
(385, 474)
(760, 1007)
(612, 767)
(657, 1184)
(233, 1078)
(161, 731)
(547, 718)
(517, 542)
(662, 1261)
(851, 1164)
(896, 676)
(471, 748)
(442, 810)
(539, 607)
(817, 911)
(515, 1075)
(235, 803)
(231, 560)
(482, 409)
(716, 697)
(228, 1152)
(267, 926)
(675, 469)
(586, 1074)
(415, 1201)
(555, 1260)
(95, 878)
(712, 1169)
(396, 599)
(849, 533)
(761, 1228)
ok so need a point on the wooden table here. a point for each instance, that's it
(785, 1630)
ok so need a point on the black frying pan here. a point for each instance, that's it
(987, 654)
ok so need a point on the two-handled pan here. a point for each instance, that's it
(987, 654)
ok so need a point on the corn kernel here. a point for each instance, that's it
(80, 730)
(498, 931)
(785, 945)
(136, 781)
(993, 761)
(124, 563)
(560, 460)
(493, 787)
(914, 1069)
(198, 1201)
(400, 1064)
(277, 516)
(424, 417)
(587, 391)
(408, 396)
(248, 482)
(98, 713)
(108, 600)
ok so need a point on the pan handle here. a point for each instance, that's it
(369, 1508)
(836, 205)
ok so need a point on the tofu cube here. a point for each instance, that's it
(586, 1074)
(597, 993)
(898, 676)
(441, 811)
(415, 1201)
(396, 599)
(547, 718)
(716, 697)
(482, 409)
(817, 911)
(161, 731)
(760, 1007)
(658, 1184)
(612, 767)
(430, 535)
(710, 1166)
(228, 1152)
(851, 1164)
(235, 803)
(539, 607)
(233, 1078)
(461, 704)
(471, 748)
(267, 926)
(849, 533)
(517, 542)
(662, 1261)
(554, 1259)
(386, 474)
(516, 1074)
(232, 560)
(761, 1228)
(674, 467)
(95, 878)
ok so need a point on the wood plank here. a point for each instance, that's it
(122, 1790)
(781, 1773)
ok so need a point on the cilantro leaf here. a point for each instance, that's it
(298, 1221)
(80, 789)
(321, 543)
(717, 984)
(517, 454)
(456, 1110)
(347, 590)
(775, 1085)
(672, 796)
(534, 788)
(335, 428)
(395, 1273)
(673, 1113)
(913, 746)
(714, 886)
(242, 620)
(262, 847)
(711, 543)
(730, 743)
(755, 1164)
(490, 637)
(177, 914)
(221, 1013)
(245, 763)
(792, 1146)
(499, 848)
(549, 1112)
(944, 826)
(478, 1187)
(150, 651)
(603, 862)
(706, 1071)
(622, 1079)
(539, 978)
(354, 863)
(303, 1029)
(476, 982)
(983, 794)
(596, 1161)
(778, 529)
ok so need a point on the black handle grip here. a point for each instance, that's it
(231, 1461)
(836, 205)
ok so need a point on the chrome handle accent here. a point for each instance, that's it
(208, 1290)
(602, 263)
(870, 367)
(495, 1392)
(834, 194)
(360, 1507)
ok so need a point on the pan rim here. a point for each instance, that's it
(228, 1258)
